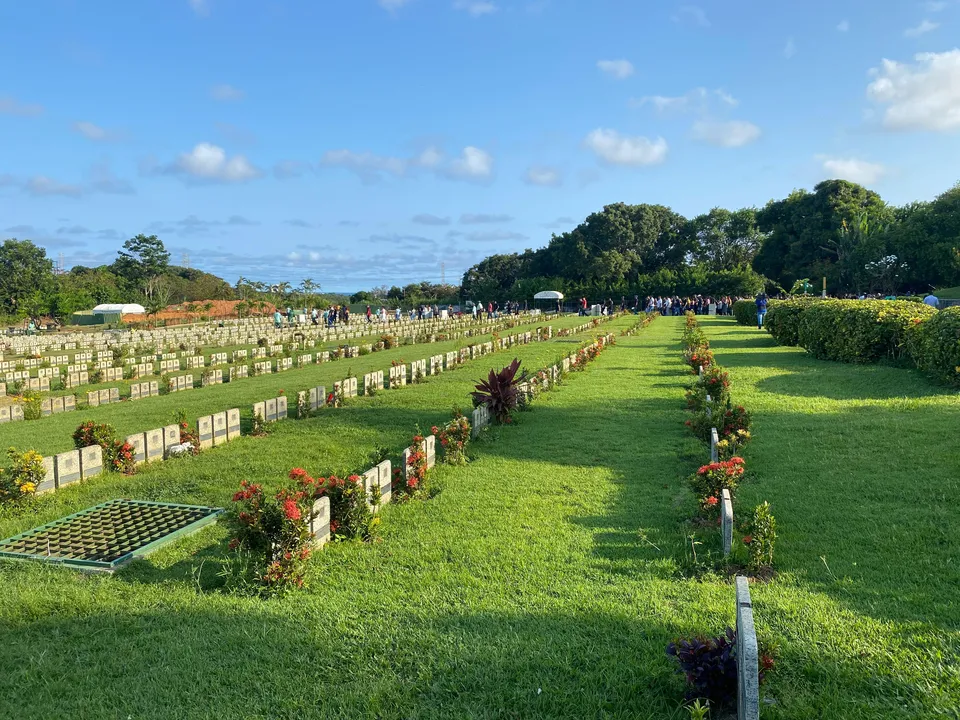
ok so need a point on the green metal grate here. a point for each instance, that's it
(107, 535)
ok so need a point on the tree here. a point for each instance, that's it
(24, 271)
(724, 240)
(143, 257)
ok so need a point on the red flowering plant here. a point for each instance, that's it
(760, 535)
(454, 437)
(734, 422)
(351, 511)
(715, 382)
(189, 435)
(413, 478)
(117, 454)
(697, 357)
(273, 530)
(711, 480)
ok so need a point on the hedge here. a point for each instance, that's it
(860, 330)
(745, 312)
(934, 345)
(783, 319)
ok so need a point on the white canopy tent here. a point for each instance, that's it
(122, 308)
(548, 295)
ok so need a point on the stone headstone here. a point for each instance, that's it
(49, 481)
(220, 428)
(4, 414)
(748, 656)
(135, 391)
(205, 432)
(313, 399)
(371, 480)
(93, 398)
(138, 442)
(67, 468)
(16, 413)
(69, 403)
(385, 472)
(431, 448)
(260, 409)
(114, 395)
(714, 450)
(271, 409)
(105, 396)
(154, 444)
(709, 407)
(726, 521)
(282, 408)
(171, 437)
(320, 521)
(233, 423)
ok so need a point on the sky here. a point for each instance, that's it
(362, 143)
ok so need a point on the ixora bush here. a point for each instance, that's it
(21, 480)
(454, 438)
(711, 480)
(351, 516)
(715, 382)
(412, 480)
(734, 422)
(698, 357)
(499, 391)
(273, 532)
(934, 345)
(860, 330)
(118, 454)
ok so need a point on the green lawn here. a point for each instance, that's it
(52, 434)
(544, 579)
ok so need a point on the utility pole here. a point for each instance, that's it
(185, 260)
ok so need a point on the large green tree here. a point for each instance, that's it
(724, 240)
(927, 239)
(143, 257)
(25, 271)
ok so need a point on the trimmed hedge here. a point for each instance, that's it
(783, 319)
(934, 345)
(745, 312)
(860, 330)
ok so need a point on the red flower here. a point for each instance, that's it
(291, 510)
(747, 539)
(711, 501)
(234, 544)
(298, 474)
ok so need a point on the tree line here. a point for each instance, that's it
(840, 231)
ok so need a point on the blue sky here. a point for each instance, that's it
(365, 142)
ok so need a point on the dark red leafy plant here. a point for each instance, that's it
(499, 391)
(710, 666)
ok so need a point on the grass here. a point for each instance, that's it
(950, 293)
(546, 577)
(52, 434)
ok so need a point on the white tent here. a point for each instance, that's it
(548, 295)
(122, 308)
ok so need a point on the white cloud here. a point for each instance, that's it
(923, 96)
(482, 218)
(619, 69)
(616, 149)
(286, 169)
(475, 8)
(858, 171)
(226, 93)
(210, 162)
(12, 106)
(543, 176)
(696, 99)
(428, 219)
(790, 49)
(200, 7)
(730, 134)
(693, 14)
(95, 132)
(43, 185)
(844, 26)
(921, 29)
(473, 164)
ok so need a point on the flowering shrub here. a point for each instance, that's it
(697, 357)
(117, 453)
(730, 445)
(23, 477)
(760, 534)
(259, 426)
(350, 513)
(711, 480)
(735, 423)
(715, 382)
(696, 398)
(454, 437)
(710, 666)
(275, 531)
(189, 435)
(691, 319)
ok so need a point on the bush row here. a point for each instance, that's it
(865, 331)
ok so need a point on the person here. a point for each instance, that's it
(369, 314)
(289, 314)
(277, 319)
(761, 302)
(314, 317)
(931, 300)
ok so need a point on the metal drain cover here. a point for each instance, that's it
(108, 535)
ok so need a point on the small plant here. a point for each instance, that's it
(388, 341)
(715, 381)
(259, 425)
(697, 357)
(303, 406)
(454, 437)
(31, 401)
(21, 480)
(417, 375)
(760, 536)
(711, 480)
(414, 480)
(735, 422)
(117, 453)
(731, 445)
(351, 516)
(699, 711)
(710, 666)
(187, 433)
(499, 391)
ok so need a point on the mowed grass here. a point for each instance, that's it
(53, 434)
(545, 578)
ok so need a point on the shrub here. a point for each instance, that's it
(760, 534)
(859, 330)
(21, 480)
(710, 666)
(117, 453)
(715, 382)
(351, 515)
(934, 345)
(499, 391)
(275, 531)
(454, 437)
(415, 478)
(698, 357)
(711, 480)
(734, 422)
(783, 319)
(745, 312)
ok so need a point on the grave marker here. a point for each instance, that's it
(49, 481)
(385, 471)
(271, 409)
(171, 437)
(205, 432)
(748, 656)
(67, 468)
(320, 521)
(154, 444)
(139, 444)
(220, 428)
(726, 521)
(233, 423)
(714, 450)
(282, 408)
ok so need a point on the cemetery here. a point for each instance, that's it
(657, 490)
